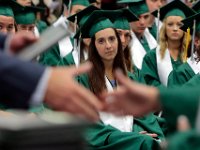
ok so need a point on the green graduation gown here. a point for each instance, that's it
(150, 71)
(179, 101)
(183, 76)
(102, 136)
(68, 60)
(50, 57)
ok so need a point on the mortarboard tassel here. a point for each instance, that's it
(188, 38)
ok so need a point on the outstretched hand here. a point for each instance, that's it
(131, 98)
(65, 94)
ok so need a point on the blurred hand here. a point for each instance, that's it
(20, 40)
(64, 94)
(130, 97)
(153, 135)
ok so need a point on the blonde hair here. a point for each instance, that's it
(163, 41)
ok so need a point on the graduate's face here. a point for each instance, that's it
(7, 24)
(106, 44)
(27, 28)
(173, 31)
(154, 4)
(24, 2)
(125, 37)
(139, 27)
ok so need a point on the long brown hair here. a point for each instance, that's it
(128, 59)
(163, 41)
(97, 74)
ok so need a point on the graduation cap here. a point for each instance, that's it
(138, 7)
(80, 2)
(192, 23)
(174, 8)
(121, 18)
(7, 7)
(82, 15)
(188, 23)
(27, 15)
(96, 21)
(196, 6)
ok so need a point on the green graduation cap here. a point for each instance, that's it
(188, 23)
(138, 7)
(82, 15)
(80, 2)
(196, 6)
(7, 7)
(96, 21)
(27, 15)
(174, 8)
(121, 18)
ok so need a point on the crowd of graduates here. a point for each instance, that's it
(152, 42)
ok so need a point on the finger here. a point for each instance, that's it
(85, 109)
(153, 135)
(84, 68)
(143, 132)
(88, 97)
(183, 123)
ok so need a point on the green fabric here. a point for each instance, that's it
(6, 11)
(188, 140)
(97, 21)
(121, 18)
(25, 18)
(179, 101)
(101, 25)
(50, 57)
(139, 8)
(175, 12)
(68, 60)
(180, 76)
(102, 136)
(149, 68)
(174, 8)
(153, 30)
(145, 44)
(80, 2)
(7, 7)
(194, 81)
(138, 74)
(41, 25)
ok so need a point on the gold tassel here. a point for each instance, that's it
(188, 38)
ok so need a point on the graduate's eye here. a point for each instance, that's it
(127, 35)
(101, 41)
(112, 39)
(10, 27)
(170, 24)
(119, 33)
